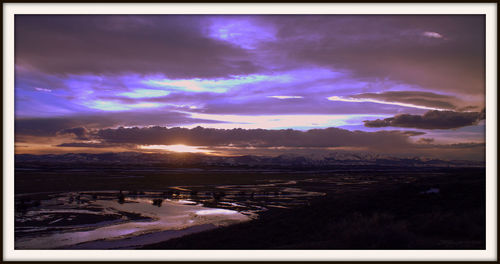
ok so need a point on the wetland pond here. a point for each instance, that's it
(125, 219)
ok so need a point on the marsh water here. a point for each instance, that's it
(120, 219)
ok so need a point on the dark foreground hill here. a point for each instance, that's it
(442, 212)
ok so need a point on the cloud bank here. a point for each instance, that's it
(430, 120)
(328, 137)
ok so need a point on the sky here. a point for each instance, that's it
(411, 85)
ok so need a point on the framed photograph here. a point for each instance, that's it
(250, 132)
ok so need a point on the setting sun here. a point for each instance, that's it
(176, 148)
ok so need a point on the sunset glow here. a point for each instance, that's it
(176, 148)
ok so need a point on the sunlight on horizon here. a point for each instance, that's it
(176, 148)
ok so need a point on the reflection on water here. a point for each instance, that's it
(67, 224)
(109, 219)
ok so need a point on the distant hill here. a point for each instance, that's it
(195, 160)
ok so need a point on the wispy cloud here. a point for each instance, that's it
(415, 99)
(369, 100)
(431, 34)
(43, 89)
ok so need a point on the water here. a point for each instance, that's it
(130, 219)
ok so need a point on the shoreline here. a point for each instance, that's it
(142, 240)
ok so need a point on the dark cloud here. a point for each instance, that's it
(81, 133)
(431, 120)
(47, 127)
(52, 126)
(391, 47)
(174, 45)
(329, 137)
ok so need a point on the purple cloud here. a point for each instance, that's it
(95, 44)
(430, 120)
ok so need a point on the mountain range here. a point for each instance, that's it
(194, 160)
